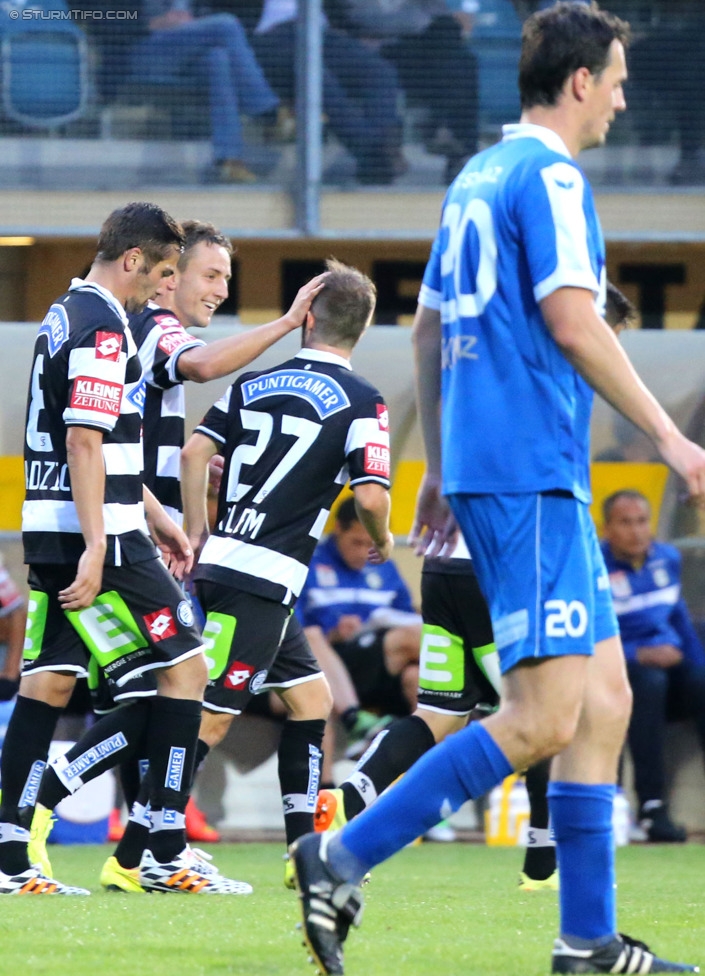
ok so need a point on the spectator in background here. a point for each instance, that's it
(427, 44)
(665, 659)
(215, 49)
(360, 89)
(366, 614)
(177, 47)
(13, 617)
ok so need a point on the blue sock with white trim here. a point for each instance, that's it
(466, 765)
(581, 815)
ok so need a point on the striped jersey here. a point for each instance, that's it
(291, 436)
(85, 373)
(161, 339)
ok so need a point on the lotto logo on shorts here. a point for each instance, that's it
(383, 417)
(160, 624)
(171, 341)
(238, 676)
(108, 346)
(91, 394)
(377, 459)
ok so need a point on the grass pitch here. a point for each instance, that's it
(435, 909)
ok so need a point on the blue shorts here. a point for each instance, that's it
(542, 573)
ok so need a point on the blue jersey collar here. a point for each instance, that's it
(529, 130)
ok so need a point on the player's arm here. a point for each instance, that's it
(433, 522)
(216, 359)
(373, 506)
(168, 537)
(591, 347)
(195, 458)
(84, 455)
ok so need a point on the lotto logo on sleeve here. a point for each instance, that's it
(108, 346)
(166, 321)
(377, 459)
(238, 675)
(91, 394)
(171, 341)
(383, 417)
(160, 624)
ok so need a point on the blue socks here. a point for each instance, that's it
(466, 765)
(581, 816)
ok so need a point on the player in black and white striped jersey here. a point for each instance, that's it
(291, 436)
(171, 356)
(95, 576)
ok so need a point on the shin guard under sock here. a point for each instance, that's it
(581, 815)
(393, 751)
(108, 741)
(24, 754)
(136, 837)
(172, 734)
(466, 765)
(300, 773)
(540, 856)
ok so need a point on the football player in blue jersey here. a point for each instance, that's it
(510, 344)
(459, 681)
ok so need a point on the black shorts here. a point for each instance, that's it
(457, 630)
(140, 621)
(376, 688)
(247, 649)
(106, 697)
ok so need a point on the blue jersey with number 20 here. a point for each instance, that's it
(518, 223)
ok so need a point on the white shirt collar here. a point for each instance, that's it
(319, 356)
(529, 130)
(78, 284)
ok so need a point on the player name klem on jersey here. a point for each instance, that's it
(324, 393)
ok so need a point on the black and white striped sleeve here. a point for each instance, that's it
(367, 445)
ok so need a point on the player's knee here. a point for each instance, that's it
(614, 708)
(214, 727)
(542, 736)
(187, 679)
(52, 687)
(402, 646)
(310, 700)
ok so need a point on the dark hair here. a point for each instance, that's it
(631, 494)
(346, 513)
(618, 309)
(197, 232)
(342, 309)
(142, 225)
(557, 41)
